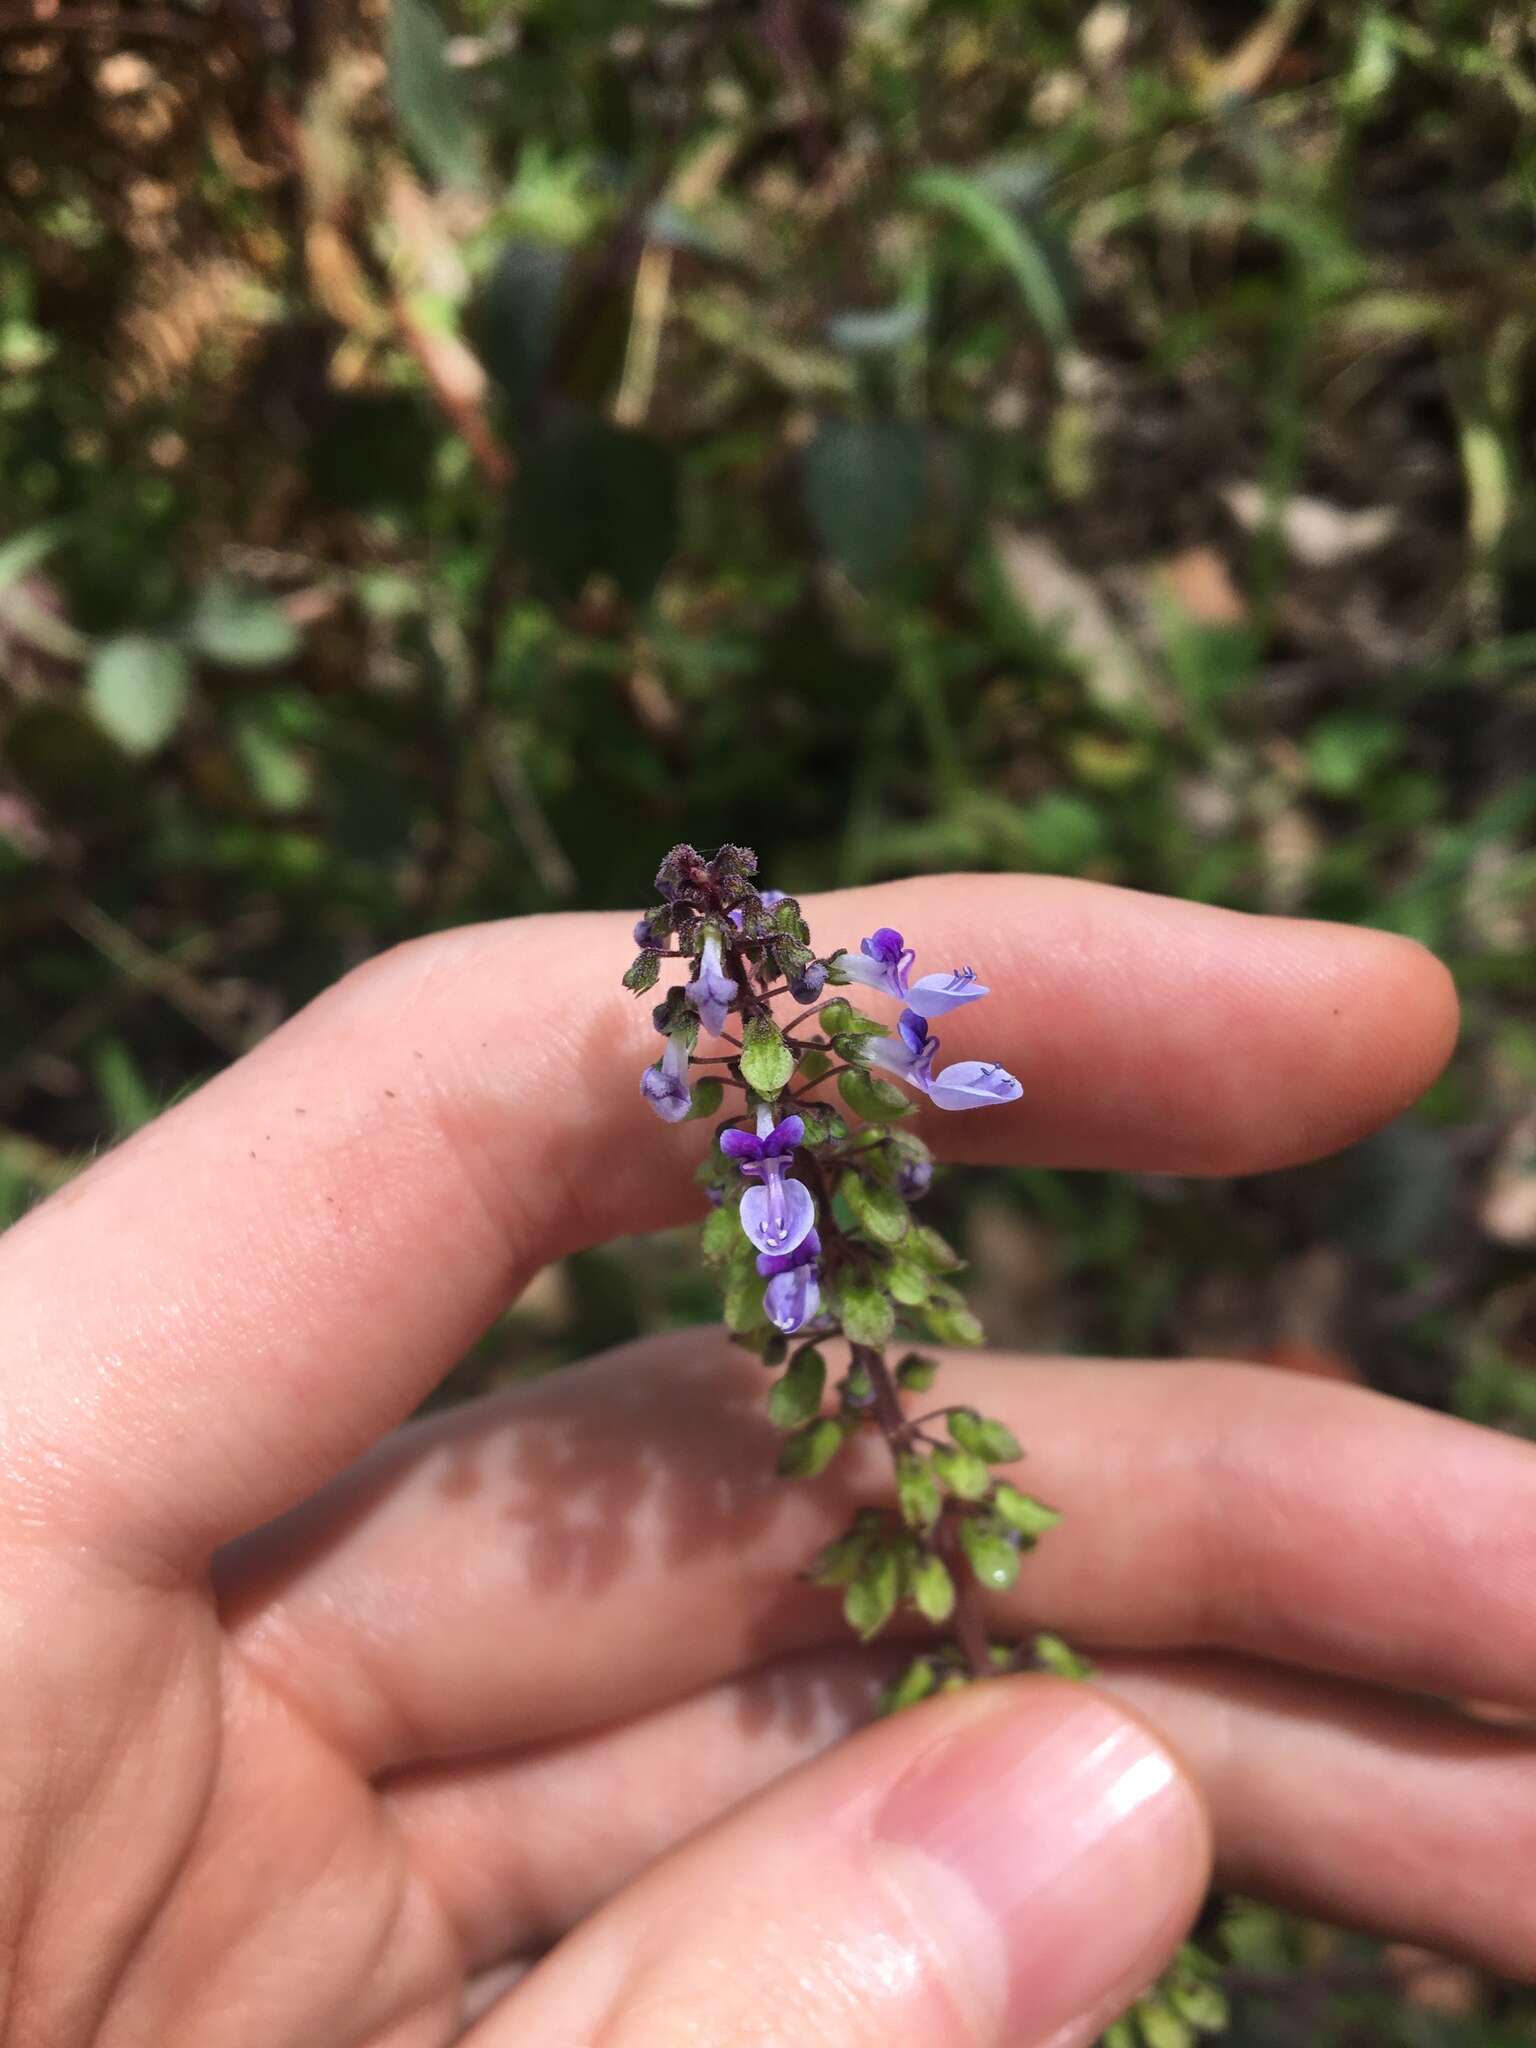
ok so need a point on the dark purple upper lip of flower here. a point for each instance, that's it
(805, 1253)
(915, 1035)
(749, 1151)
(887, 947)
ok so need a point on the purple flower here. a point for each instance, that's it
(711, 991)
(665, 1086)
(932, 995)
(778, 1214)
(968, 1084)
(914, 1177)
(909, 1054)
(974, 1084)
(810, 984)
(884, 961)
(793, 1294)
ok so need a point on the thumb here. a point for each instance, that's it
(1003, 1868)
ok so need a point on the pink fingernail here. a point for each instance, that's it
(1055, 1850)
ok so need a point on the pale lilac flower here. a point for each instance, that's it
(778, 1214)
(665, 1086)
(968, 1084)
(914, 1177)
(711, 991)
(884, 961)
(908, 1054)
(974, 1084)
(793, 1294)
(934, 995)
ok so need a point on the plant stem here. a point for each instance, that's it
(970, 1626)
(969, 1623)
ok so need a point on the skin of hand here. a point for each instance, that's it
(319, 1729)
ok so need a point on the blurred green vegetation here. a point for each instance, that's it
(445, 461)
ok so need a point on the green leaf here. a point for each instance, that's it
(993, 1441)
(597, 500)
(962, 1472)
(916, 1373)
(838, 1563)
(1052, 1654)
(917, 1492)
(1202, 2005)
(722, 1231)
(1014, 244)
(281, 772)
(876, 1101)
(138, 689)
(838, 1018)
(642, 973)
(954, 1325)
(743, 1306)
(1346, 750)
(915, 1684)
(906, 1283)
(1161, 2028)
(866, 1314)
(814, 1064)
(1023, 1512)
(865, 482)
(933, 1590)
(239, 628)
(870, 1601)
(426, 94)
(707, 1096)
(936, 1253)
(766, 1061)
(823, 1125)
(992, 1557)
(881, 1212)
(797, 1396)
(811, 1449)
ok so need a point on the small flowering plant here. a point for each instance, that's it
(814, 1237)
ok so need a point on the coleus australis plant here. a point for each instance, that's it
(813, 1234)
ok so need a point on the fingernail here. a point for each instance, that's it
(1055, 1855)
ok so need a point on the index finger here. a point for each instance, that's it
(224, 1312)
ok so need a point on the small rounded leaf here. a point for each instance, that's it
(933, 1590)
(766, 1061)
(962, 1472)
(867, 1315)
(138, 689)
(992, 1557)
(986, 1439)
(797, 1396)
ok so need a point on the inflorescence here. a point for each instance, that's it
(813, 1234)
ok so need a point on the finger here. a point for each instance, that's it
(1373, 1812)
(1345, 1804)
(624, 1520)
(1007, 1867)
(272, 1274)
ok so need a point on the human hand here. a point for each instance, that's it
(299, 1748)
